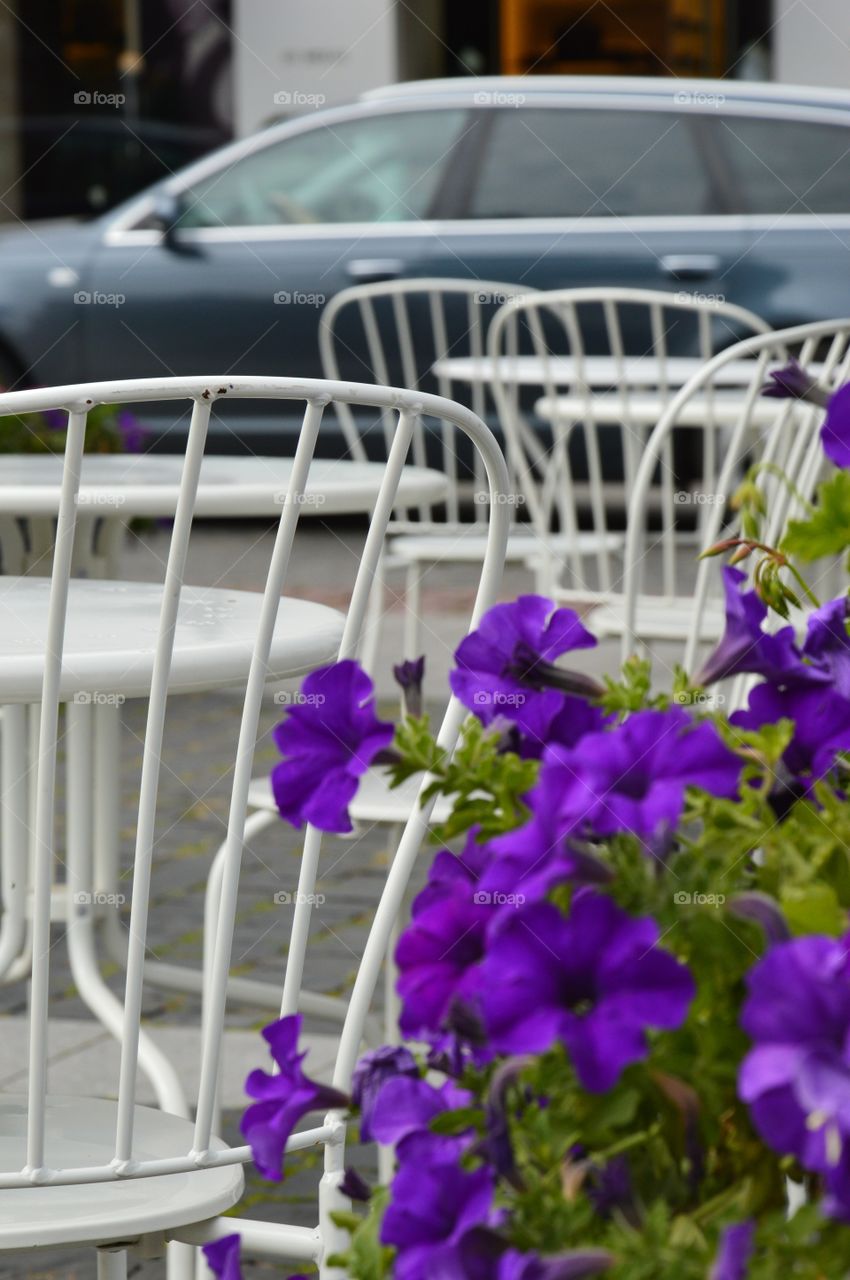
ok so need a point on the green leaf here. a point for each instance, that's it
(813, 908)
(827, 531)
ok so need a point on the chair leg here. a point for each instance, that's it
(112, 1264)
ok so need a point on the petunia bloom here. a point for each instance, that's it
(796, 1077)
(821, 726)
(827, 644)
(733, 1255)
(744, 645)
(433, 1205)
(371, 1073)
(793, 382)
(633, 777)
(329, 738)
(223, 1257)
(405, 1107)
(506, 667)
(282, 1099)
(835, 432)
(598, 981)
(409, 676)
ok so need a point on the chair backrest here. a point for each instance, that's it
(256, 663)
(606, 362)
(394, 333)
(773, 435)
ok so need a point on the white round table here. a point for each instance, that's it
(111, 631)
(110, 638)
(132, 485)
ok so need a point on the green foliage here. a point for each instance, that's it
(33, 433)
(366, 1258)
(826, 532)
(486, 783)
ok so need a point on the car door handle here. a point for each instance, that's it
(690, 266)
(373, 270)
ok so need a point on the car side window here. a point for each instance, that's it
(785, 166)
(573, 162)
(385, 168)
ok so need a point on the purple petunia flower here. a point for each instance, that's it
(371, 1073)
(437, 957)
(409, 676)
(133, 434)
(433, 1206)
(598, 982)
(633, 777)
(405, 1107)
(793, 382)
(821, 725)
(835, 432)
(796, 1078)
(827, 644)
(745, 646)
(329, 738)
(506, 667)
(734, 1253)
(575, 1265)
(223, 1257)
(282, 1099)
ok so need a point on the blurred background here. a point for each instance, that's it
(101, 97)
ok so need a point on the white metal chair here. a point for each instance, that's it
(110, 1174)
(607, 362)
(685, 602)
(395, 332)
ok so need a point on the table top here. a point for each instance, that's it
(598, 371)
(147, 485)
(722, 408)
(111, 633)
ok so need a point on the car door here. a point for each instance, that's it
(570, 195)
(265, 236)
(788, 178)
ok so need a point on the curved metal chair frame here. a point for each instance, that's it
(780, 435)
(135, 1145)
(584, 557)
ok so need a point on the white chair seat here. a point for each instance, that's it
(81, 1132)
(375, 801)
(523, 545)
(664, 618)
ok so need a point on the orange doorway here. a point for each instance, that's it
(616, 37)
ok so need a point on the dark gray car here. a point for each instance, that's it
(733, 190)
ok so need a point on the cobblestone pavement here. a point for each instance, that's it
(199, 745)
